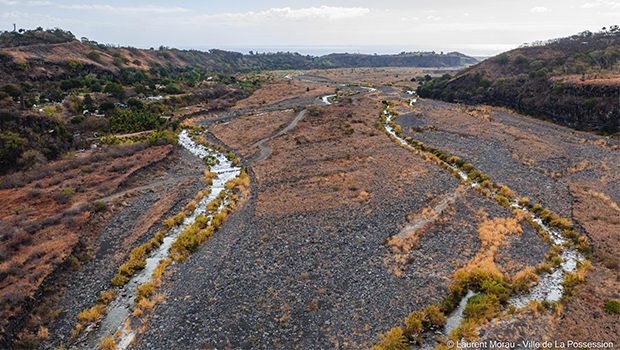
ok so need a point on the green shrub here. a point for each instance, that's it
(502, 59)
(613, 307)
(571, 282)
(481, 308)
(521, 60)
(435, 316)
(503, 201)
(23, 66)
(414, 323)
(94, 55)
(498, 288)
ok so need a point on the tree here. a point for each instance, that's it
(115, 90)
(173, 89)
(502, 59)
(66, 85)
(135, 103)
(521, 60)
(106, 106)
(88, 100)
(96, 87)
(11, 148)
(12, 90)
(94, 55)
(51, 95)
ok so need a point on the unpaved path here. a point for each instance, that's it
(266, 151)
(145, 187)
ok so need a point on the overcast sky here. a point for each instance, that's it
(476, 27)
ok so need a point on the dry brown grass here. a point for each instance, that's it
(492, 233)
(314, 168)
(605, 198)
(242, 134)
(394, 75)
(52, 229)
(269, 94)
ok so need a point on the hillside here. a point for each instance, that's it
(40, 54)
(49, 80)
(572, 81)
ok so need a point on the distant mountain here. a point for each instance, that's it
(422, 59)
(573, 81)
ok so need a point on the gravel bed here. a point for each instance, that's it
(494, 156)
(83, 287)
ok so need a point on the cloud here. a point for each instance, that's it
(112, 9)
(540, 9)
(405, 19)
(9, 3)
(597, 3)
(433, 17)
(323, 12)
(37, 18)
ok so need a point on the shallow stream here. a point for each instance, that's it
(119, 310)
(549, 287)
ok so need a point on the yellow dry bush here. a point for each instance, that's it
(484, 261)
(394, 339)
(107, 343)
(43, 333)
(145, 290)
(600, 142)
(209, 176)
(523, 279)
(77, 330)
(435, 316)
(583, 269)
(467, 331)
(506, 192)
(414, 323)
(107, 297)
(404, 244)
(214, 205)
(363, 196)
(145, 304)
(92, 314)
(191, 206)
(161, 267)
(159, 298)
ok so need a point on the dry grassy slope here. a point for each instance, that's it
(50, 218)
(48, 60)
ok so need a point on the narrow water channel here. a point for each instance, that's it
(120, 309)
(549, 287)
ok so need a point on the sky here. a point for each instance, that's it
(474, 27)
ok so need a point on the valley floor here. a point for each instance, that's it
(305, 260)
